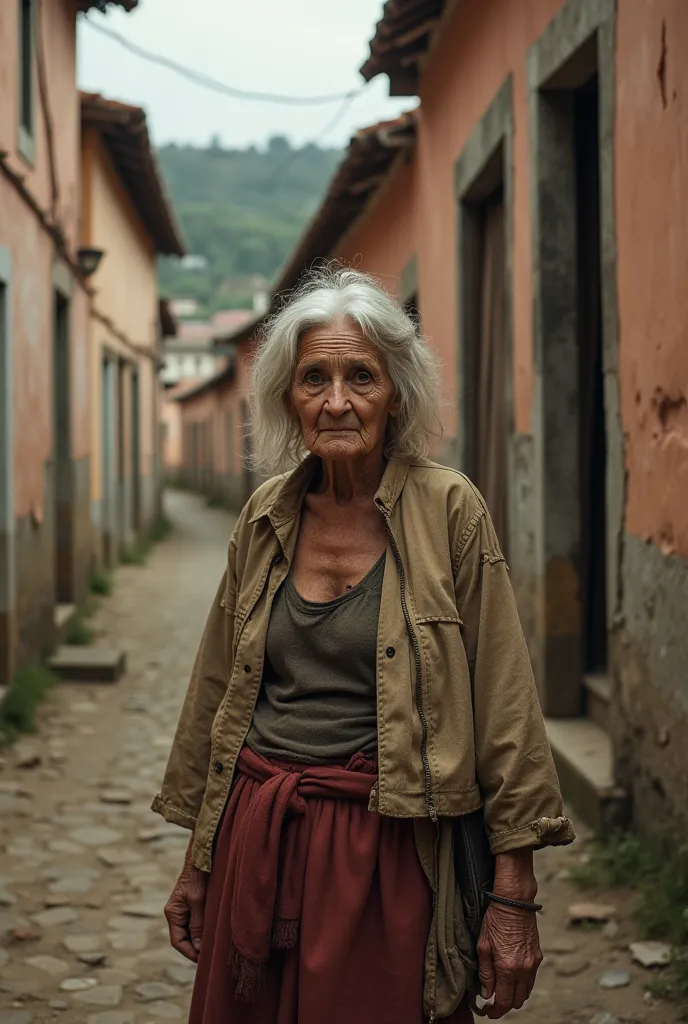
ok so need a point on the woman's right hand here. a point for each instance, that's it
(185, 908)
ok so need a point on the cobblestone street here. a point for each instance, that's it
(86, 867)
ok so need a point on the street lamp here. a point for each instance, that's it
(88, 260)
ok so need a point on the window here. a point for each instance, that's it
(26, 78)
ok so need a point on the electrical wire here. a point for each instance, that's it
(284, 165)
(207, 82)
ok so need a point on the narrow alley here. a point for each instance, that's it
(86, 867)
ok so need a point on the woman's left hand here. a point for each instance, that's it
(509, 956)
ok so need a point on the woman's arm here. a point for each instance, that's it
(509, 946)
(515, 770)
(186, 907)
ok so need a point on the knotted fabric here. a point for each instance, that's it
(270, 852)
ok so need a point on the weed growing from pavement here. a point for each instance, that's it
(657, 869)
(101, 583)
(29, 685)
(78, 633)
(139, 552)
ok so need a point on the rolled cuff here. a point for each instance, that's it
(175, 815)
(535, 834)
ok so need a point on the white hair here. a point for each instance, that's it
(322, 297)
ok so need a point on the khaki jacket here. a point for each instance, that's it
(459, 722)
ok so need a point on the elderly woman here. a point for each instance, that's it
(362, 719)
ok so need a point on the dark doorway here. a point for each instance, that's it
(485, 363)
(109, 462)
(122, 517)
(489, 383)
(592, 454)
(7, 552)
(62, 453)
(569, 349)
(136, 450)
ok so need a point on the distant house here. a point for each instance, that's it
(45, 408)
(190, 358)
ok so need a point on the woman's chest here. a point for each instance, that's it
(335, 552)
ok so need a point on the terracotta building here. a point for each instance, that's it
(127, 217)
(531, 210)
(45, 471)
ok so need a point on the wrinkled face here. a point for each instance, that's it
(341, 393)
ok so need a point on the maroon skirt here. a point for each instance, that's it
(317, 910)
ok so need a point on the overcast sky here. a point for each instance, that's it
(299, 47)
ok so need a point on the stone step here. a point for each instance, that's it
(584, 759)
(88, 664)
(598, 690)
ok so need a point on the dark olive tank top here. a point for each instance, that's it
(318, 698)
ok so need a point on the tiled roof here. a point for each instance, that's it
(366, 164)
(124, 132)
(401, 40)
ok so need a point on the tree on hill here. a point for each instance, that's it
(242, 210)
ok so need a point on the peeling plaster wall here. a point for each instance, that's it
(650, 720)
(652, 219)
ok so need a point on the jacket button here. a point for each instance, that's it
(390, 652)
(277, 559)
(219, 767)
(247, 669)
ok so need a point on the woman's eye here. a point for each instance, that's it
(313, 377)
(363, 377)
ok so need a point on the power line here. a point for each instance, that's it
(207, 82)
(279, 170)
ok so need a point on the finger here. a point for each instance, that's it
(486, 972)
(504, 993)
(180, 940)
(196, 899)
(521, 993)
(177, 914)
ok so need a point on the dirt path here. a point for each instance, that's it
(85, 867)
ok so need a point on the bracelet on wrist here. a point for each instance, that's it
(518, 904)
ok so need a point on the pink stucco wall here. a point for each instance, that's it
(382, 240)
(32, 249)
(652, 233)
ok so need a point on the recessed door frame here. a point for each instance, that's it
(577, 43)
(485, 163)
(7, 532)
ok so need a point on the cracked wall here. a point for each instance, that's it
(650, 714)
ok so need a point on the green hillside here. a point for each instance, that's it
(241, 209)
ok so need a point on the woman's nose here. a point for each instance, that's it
(337, 401)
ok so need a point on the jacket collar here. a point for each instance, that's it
(284, 504)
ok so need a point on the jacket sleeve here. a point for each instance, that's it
(515, 770)
(186, 775)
